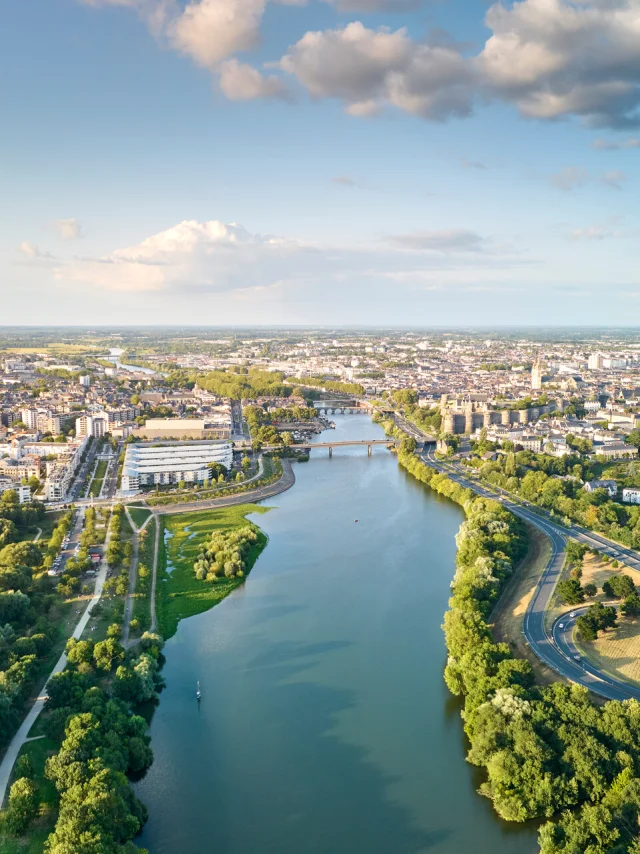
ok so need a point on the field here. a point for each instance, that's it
(96, 484)
(54, 348)
(179, 593)
(139, 515)
(617, 651)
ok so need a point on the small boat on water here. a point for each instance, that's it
(198, 692)
(355, 520)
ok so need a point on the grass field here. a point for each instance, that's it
(141, 612)
(179, 593)
(96, 483)
(139, 515)
(60, 347)
(617, 651)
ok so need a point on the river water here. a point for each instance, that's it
(325, 724)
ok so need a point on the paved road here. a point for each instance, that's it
(8, 761)
(555, 650)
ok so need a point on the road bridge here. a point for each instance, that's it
(344, 407)
(312, 446)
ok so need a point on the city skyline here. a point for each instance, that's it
(330, 163)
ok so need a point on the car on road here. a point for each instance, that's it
(572, 614)
(615, 554)
(561, 625)
(578, 657)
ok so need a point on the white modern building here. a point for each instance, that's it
(147, 465)
(631, 495)
(95, 425)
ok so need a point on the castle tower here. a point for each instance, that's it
(536, 375)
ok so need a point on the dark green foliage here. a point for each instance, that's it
(619, 586)
(570, 591)
(631, 606)
(23, 805)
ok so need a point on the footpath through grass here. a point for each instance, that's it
(179, 593)
(139, 515)
(96, 484)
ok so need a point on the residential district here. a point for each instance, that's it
(145, 415)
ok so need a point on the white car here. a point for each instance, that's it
(577, 658)
(572, 614)
(561, 625)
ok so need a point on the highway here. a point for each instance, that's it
(557, 649)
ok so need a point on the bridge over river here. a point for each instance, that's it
(312, 446)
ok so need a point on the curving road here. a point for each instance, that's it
(557, 649)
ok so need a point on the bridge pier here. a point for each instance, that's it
(330, 452)
(369, 450)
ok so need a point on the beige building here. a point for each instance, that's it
(181, 428)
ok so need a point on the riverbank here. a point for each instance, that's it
(530, 740)
(180, 593)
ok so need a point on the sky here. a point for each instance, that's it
(405, 162)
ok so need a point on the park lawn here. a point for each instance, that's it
(140, 610)
(96, 483)
(139, 515)
(179, 593)
(48, 524)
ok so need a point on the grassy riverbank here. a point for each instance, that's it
(180, 594)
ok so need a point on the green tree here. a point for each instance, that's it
(570, 591)
(23, 805)
(107, 654)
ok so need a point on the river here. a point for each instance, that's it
(325, 724)
(114, 356)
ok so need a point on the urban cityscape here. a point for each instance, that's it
(320, 427)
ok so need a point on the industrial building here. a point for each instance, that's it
(148, 465)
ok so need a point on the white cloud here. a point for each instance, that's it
(616, 144)
(571, 178)
(551, 58)
(31, 251)
(209, 31)
(452, 240)
(68, 229)
(204, 257)
(242, 82)
(369, 69)
(614, 178)
(595, 233)
(554, 58)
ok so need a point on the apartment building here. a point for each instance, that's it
(95, 425)
(61, 471)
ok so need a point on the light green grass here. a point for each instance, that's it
(182, 595)
(96, 484)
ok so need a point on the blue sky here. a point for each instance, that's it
(354, 161)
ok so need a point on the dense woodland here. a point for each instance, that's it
(27, 600)
(547, 752)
